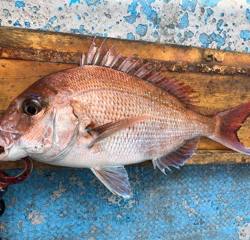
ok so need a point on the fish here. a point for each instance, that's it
(109, 112)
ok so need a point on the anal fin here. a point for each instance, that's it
(115, 178)
(178, 157)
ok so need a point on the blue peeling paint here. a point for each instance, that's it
(218, 26)
(74, 30)
(155, 34)
(92, 2)
(78, 17)
(151, 14)
(245, 35)
(52, 20)
(197, 202)
(248, 14)
(60, 9)
(107, 15)
(189, 5)
(57, 28)
(206, 39)
(210, 12)
(248, 1)
(130, 36)
(210, 3)
(184, 22)
(141, 29)
(247, 49)
(131, 19)
(27, 24)
(188, 34)
(46, 27)
(145, 9)
(82, 30)
(16, 24)
(19, 4)
(73, 2)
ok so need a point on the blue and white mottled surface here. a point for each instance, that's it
(198, 202)
(206, 23)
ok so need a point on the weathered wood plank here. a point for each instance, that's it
(23, 44)
(221, 79)
(16, 76)
(200, 158)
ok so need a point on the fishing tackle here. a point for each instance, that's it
(6, 180)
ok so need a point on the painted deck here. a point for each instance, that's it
(197, 202)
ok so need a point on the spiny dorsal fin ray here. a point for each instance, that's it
(178, 157)
(112, 59)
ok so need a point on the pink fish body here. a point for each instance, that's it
(110, 112)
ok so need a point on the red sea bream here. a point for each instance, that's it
(109, 112)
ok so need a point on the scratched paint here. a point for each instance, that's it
(206, 23)
(196, 202)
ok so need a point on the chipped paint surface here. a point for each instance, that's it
(244, 232)
(206, 23)
(35, 217)
(196, 202)
(58, 193)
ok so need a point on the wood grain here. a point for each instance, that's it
(221, 79)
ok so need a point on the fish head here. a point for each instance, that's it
(29, 125)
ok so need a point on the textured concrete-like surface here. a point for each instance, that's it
(198, 202)
(207, 23)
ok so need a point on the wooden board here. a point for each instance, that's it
(220, 78)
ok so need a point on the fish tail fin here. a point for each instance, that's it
(227, 125)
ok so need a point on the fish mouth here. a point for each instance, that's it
(3, 154)
(1, 150)
(6, 142)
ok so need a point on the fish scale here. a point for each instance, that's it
(169, 131)
(109, 112)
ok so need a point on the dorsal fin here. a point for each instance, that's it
(111, 59)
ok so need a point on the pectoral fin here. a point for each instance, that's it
(115, 178)
(109, 129)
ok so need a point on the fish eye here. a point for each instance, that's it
(31, 106)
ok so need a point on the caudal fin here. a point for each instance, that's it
(228, 123)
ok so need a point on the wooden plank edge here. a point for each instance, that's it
(14, 38)
(200, 158)
(74, 57)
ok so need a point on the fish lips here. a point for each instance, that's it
(2, 150)
(3, 153)
(6, 142)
